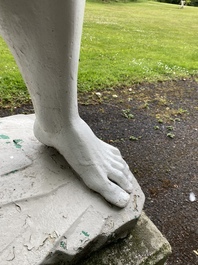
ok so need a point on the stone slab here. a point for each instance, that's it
(47, 214)
(145, 245)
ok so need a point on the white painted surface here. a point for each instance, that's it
(44, 37)
(44, 201)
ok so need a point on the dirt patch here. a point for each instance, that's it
(156, 128)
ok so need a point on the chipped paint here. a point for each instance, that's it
(11, 172)
(3, 136)
(17, 143)
(63, 245)
(85, 233)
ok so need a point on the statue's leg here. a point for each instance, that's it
(44, 37)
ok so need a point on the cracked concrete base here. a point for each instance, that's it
(47, 215)
(145, 245)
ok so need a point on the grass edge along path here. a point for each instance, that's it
(122, 44)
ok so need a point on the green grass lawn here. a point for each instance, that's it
(123, 43)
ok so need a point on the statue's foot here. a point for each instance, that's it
(99, 164)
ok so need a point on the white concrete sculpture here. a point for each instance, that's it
(44, 37)
(46, 213)
(182, 3)
(56, 217)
